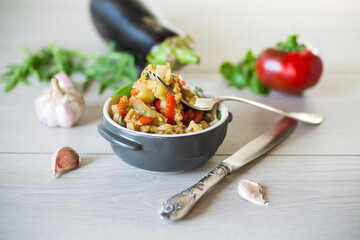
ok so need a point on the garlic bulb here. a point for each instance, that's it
(60, 105)
(64, 159)
(251, 192)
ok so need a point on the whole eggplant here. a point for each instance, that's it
(135, 27)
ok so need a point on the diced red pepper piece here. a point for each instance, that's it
(145, 120)
(184, 116)
(123, 106)
(193, 115)
(198, 116)
(134, 92)
(170, 108)
(157, 104)
(181, 81)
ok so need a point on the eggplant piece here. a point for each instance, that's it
(135, 27)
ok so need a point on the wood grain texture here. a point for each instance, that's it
(311, 180)
(106, 198)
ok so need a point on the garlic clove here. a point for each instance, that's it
(251, 192)
(64, 159)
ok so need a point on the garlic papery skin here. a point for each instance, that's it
(60, 105)
(251, 191)
(64, 80)
(64, 159)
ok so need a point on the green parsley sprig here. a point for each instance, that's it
(112, 69)
(244, 74)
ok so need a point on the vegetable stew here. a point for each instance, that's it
(151, 108)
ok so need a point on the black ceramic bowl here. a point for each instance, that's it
(159, 152)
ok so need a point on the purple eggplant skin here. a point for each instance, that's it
(131, 25)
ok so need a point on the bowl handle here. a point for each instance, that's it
(122, 141)
(230, 117)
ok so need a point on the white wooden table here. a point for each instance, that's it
(311, 180)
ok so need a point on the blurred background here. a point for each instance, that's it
(312, 181)
(332, 26)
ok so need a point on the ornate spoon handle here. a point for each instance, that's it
(180, 204)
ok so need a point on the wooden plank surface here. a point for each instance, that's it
(312, 180)
(309, 197)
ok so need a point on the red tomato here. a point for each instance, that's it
(289, 72)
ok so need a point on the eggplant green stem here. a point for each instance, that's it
(174, 50)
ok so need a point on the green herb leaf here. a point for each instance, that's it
(250, 58)
(112, 69)
(238, 79)
(226, 70)
(244, 74)
(218, 115)
(124, 91)
(256, 86)
(198, 91)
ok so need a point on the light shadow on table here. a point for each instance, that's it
(92, 114)
(87, 160)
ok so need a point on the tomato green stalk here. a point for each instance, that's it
(291, 44)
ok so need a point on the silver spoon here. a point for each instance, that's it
(206, 104)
